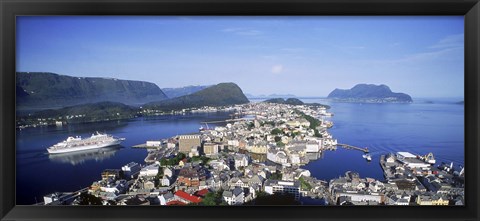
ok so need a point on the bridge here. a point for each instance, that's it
(346, 146)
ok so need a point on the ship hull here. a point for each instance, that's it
(86, 147)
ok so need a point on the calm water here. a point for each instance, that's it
(419, 128)
(39, 174)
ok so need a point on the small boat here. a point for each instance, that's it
(367, 156)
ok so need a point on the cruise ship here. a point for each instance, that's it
(72, 144)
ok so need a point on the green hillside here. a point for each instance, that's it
(48, 90)
(218, 95)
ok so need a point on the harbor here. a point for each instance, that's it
(162, 127)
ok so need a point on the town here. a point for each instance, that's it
(256, 159)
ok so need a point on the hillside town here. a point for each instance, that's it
(257, 159)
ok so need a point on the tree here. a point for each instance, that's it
(164, 162)
(88, 199)
(304, 185)
(276, 131)
(212, 199)
(209, 200)
(276, 176)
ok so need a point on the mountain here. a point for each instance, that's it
(91, 112)
(291, 101)
(218, 95)
(369, 93)
(178, 92)
(40, 90)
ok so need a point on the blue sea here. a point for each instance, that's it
(426, 125)
(430, 125)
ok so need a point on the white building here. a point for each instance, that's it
(281, 186)
(154, 143)
(411, 160)
(241, 160)
(150, 170)
(313, 146)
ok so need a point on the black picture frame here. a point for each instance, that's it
(12, 8)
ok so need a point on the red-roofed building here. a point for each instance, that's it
(187, 198)
(176, 203)
(201, 193)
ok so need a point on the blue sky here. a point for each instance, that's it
(305, 56)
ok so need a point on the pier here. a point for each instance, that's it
(346, 146)
(222, 121)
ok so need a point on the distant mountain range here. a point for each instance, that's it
(40, 90)
(181, 91)
(73, 99)
(218, 95)
(369, 93)
(53, 96)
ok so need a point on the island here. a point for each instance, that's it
(369, 93)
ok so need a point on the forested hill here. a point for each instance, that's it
(369, 93)
(37, 90)
(218, 95)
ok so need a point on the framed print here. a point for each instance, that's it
(282, 110)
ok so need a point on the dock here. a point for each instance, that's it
(145, 146)
(346, 146)
(223, 121)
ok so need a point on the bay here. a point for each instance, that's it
(38, 173)
(432, 125)
(426, 125)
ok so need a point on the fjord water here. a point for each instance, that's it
(39, 173)
(432, 125)
(419, 127)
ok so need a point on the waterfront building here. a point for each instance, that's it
(313, 146)
(153, 143)
(281, 186)
(411, 160)
(186, 142)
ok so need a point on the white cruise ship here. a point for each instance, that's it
(72, 144)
